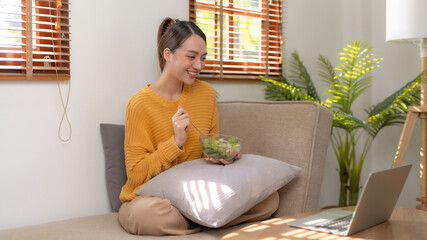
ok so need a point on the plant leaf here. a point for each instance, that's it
(349, 83)
(301, 78)
(281, 91)
(393, 109)
(326, 72)
(348, 122)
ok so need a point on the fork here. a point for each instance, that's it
(197, 129)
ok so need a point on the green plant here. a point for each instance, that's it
(346, 83)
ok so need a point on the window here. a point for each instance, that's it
(34, 40)
(244, 38)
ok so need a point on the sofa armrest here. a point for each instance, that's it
(295, 132)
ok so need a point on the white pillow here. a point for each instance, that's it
(213, 195)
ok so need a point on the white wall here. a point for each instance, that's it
(43, 179)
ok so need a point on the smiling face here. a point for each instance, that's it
(187, 61)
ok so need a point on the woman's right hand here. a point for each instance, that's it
(181, 123)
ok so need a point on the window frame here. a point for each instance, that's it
(49, 41)
(218, 69)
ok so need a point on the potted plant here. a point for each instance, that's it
(346, 83)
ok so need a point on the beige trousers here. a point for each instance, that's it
(148, 215)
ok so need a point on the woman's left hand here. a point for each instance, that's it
(223, 161)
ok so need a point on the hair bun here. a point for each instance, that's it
(172, 22)
(168, 23)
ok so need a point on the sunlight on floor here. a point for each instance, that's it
(256, 228)
(277, 229)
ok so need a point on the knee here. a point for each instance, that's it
(150, 207)
(139, 215)
(275, 199)
(270, 204)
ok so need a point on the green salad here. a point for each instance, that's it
(221, 147)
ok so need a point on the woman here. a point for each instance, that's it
(158, 133)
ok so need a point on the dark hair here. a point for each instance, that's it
(172, 34)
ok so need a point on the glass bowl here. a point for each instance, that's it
(219, 146)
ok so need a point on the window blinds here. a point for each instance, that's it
(244, 38)
(34, 40)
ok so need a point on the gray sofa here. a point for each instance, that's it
(295, 132)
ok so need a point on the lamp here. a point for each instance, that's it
(406, 21)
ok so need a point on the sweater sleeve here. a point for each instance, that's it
(143, 161)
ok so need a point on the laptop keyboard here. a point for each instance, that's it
(339, 223)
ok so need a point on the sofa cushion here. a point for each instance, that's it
(213, 195)
(100, 227)
(113, 137)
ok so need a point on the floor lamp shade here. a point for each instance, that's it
(406, 20)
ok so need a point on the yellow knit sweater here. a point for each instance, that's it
(150, 146)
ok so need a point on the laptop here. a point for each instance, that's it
(376, 203)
